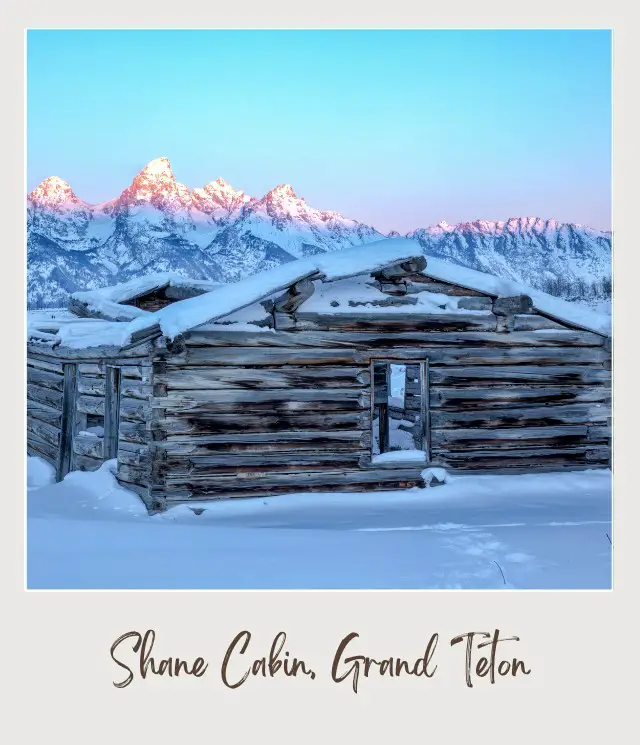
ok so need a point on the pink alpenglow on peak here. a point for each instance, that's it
(52, 192)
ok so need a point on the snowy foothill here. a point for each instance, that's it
(537, 531)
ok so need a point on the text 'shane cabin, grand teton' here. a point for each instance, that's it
(350, 371)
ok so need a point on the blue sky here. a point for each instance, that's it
(399, 129)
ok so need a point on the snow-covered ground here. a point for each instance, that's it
(540, 531)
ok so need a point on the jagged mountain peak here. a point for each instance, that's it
(53, 191)
(283, 191)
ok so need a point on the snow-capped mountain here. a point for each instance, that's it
(216, 232)
(572, 261)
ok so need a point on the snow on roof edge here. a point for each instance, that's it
(561, 310)
(189, 314)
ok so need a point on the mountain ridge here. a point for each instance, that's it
(218, 232)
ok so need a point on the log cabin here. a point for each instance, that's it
(352, 371)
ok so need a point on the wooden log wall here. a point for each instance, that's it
(243, 414)
(45, 385)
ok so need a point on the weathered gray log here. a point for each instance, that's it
(46, 396)
(161, 497)
(543, 416)
(509, 306)
(42, 431)
(94, 354)
(317, 444)
(499, 375)
(45, 450)
(530, 457)
(396, 322)
(422, 283)
(229, 463)
(402, 269)
(217, 378)
(261, 357)
(91, 369)
(301, 478)
(286, 439)
(50, 365)
(45, 378)
(67, 427)
(508, 438)
(547, 337)
(293, 298)
(534, 322)
(44, 413)
(485, 397)
(191, 398)
(233, 423)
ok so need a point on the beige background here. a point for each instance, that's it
(580, 646)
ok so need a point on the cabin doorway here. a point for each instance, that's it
(399, 417)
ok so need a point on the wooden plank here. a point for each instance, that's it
(111, 412)
(42, 431)
(40, 363)
(36, 446)
(267, 449)
(309, 438)
(141, 352)
(44, 413)
(499, 375)
(46, 396)
(45, 378)
(533, 322)
(258, 463)
(420, 283)
(484, 397)
(380, 338)
(525, 458)
(543, 416)
(233, 423)
(216, 356)
(508, 438)
(216, 378)
(308, 321)
(268, 401)
(299, 479)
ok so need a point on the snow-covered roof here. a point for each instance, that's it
(221, 301)
(109, 302)
(564, 311)
(188, 314)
